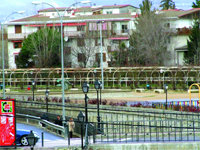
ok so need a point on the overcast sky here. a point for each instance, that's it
(9, 6)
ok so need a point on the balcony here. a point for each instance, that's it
(18, 36)
(77, 34)
(74, 34)
(184, 31)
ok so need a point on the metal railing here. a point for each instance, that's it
(147, 131)
(41, 122)
(116, 113)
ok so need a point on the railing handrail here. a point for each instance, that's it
(43, 121)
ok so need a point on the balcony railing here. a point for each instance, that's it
(75, 34)
(17, 36)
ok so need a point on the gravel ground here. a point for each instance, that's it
(135, 96)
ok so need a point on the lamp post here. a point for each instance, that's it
(97, 87)
(101, 42)
(62, 51)
(162, 72)
(166, 88)
(85, 89)
(100, 91)
(31, 139)
(81, 119)
(33, 85)
(47, 95)
(2, 57)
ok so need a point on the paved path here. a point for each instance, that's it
(50, 140)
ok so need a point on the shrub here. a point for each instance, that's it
(136, 105)
(67, 100)
(92, 101)
(104, 102)
(29, 98)
(54, 99)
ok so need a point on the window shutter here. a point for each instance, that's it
(104, 57)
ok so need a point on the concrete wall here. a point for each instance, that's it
(148, 146)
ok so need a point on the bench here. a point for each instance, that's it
(74, 89)
(139, 90)
(42, 90)
(193, 91)
(159, 91)
(7, 90)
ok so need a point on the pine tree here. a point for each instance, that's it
(145, 7)
(167, 4)
(197, 4)
(192, 56)
(40, 49)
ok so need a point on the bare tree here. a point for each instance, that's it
(148, 43)
(84, 52)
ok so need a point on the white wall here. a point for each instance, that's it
(181, 23)
(114, 11)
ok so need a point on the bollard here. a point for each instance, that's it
(42, 135)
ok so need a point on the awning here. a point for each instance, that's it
(182, 48)
(119, 38)
(17, 41)
(57, 24)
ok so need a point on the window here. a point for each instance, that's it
(109, 12)
(81, 57)
(80, 28)
(109, 48)
(17, 44)
(80, 42)
(18, 29)
(98, 57)
(167, 25)
(124, 28)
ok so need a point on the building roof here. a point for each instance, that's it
(80, 9)
(113, 17)
(178, 12)
(172, 12)
(87, 8)
(117, 6)
(190, 12)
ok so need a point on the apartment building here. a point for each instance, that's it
(82, 31)
(81, 27)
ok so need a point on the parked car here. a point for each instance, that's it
(21, 137)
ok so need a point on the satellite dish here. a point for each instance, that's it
(66, 38)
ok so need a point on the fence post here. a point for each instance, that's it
(193, 131)
(66, 133)
(94, 134)
(42, 135)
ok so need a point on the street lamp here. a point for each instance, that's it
(101, 42)
(85, 89)
(81, 118)
(62, 51)
(47, 95)
(162, 72)
(2, 57)
(166, 88)
(97, 86)
(100, 91)
(31, 139)
(33, 85)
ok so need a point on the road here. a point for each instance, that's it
(50, 140)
